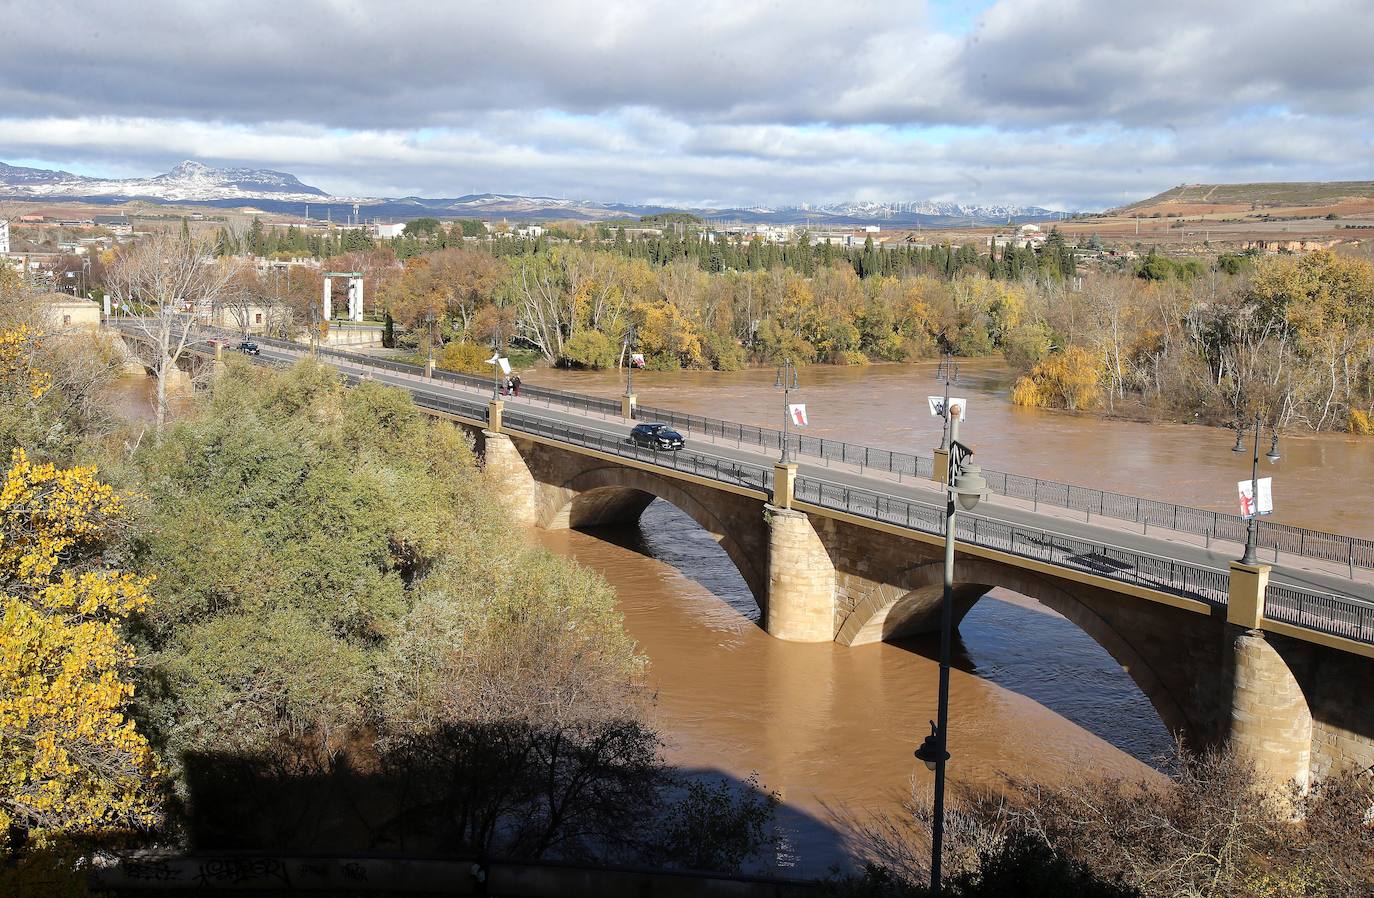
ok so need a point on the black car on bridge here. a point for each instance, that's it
(656, 436)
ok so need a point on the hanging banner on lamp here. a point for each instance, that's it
(798, 415)
(636, 360)
(1249, 507)
(956, 406)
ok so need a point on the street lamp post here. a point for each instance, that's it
(496, 364)
(949, 373)
(630, 367)
(429, 325)
(787, 382)
(965, 488)
(1252, 525)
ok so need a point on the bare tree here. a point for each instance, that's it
(165, 281)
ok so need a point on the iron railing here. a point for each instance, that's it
(1352, 552)
(901, 463)
(1094, 557)
(754, 477)
(1323, 612)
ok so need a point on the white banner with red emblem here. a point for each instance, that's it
(1247, 497)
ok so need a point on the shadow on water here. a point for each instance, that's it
(1050, 661)
(669, 535)
(1006, 641)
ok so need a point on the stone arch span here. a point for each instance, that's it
(614, 494)
(911, 605)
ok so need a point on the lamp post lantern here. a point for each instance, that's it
(964, 488)
(787, 382)
(1252, 525)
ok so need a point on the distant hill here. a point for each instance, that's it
(193, 183)
(188, 182)
(1281, 194)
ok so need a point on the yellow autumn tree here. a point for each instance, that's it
(1068, 379)
(71, 762)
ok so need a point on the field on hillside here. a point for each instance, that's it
(1294, 193)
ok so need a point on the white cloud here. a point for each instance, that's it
(1056, 103)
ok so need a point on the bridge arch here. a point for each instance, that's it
(615, 494)
(911, 605)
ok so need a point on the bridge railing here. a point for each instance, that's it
(1348, 550)
(475, 381)
(1353, 552)
(721, 470)
(1102, 559)
(1323, 612)
(812, 447)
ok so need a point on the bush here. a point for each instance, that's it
(1026, 867)
(468, 358)
(1026, 346)
(724, 352)
(1216, 829)
(1067, 379)
(1359, 423)
(589, 349)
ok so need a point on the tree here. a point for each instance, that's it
(52, 391)
(1068, 379)
(168, 282)
(71, 762)
(421, 227)
(590, 349)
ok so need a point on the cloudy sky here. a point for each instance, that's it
(1061, 103)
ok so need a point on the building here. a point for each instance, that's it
(532, 232)
(387, 231)
(65, 314)
(119, 224)
(244, 317)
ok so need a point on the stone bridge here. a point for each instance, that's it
(818, 574)
(1292, 697)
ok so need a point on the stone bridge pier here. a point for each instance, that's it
(1292, 704)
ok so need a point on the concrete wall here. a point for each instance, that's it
(352, 335)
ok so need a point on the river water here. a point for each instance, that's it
(833, 729)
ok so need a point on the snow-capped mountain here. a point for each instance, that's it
(193, 182)
(187, 182)
(876, 210)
